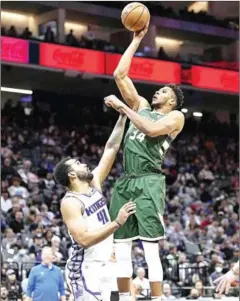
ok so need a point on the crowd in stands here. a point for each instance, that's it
(89, 41)
(156, 9)
(201, 214)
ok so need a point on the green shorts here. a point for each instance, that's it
(148, 192)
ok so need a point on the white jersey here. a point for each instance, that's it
(96, 216)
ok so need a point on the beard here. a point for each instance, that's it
(85, 176)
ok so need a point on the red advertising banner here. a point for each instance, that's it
(147, 69)
(71, 58)
(14, 50)
(215, 79)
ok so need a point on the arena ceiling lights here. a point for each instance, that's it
(17, 91)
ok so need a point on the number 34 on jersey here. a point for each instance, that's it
(137, 135)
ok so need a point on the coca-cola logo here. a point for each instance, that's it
(68, 57)
(142, 69)
(14, 50)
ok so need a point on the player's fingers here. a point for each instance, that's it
(130, 207)
(228, 285)
(131, 212)
(222, 286)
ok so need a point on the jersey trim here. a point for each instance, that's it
(145, 108)
(139, 237)
(75, 197)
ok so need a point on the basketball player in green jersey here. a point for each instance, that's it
(147, 140)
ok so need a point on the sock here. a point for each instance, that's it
(125, 297)
(158, 298)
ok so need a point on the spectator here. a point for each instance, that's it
(17, 223)
(4, 293)
(6, 203)
(167, 294)
(141, 283)
(49, 35)
(3, 31)
(200, 288)
(7, 170)
(71, 39)
(218, 271)
(162, 54)
(194, 295)
(9, 240)
(215, 259)
(13, 286)
(51, 282)
(36, 248)
(17, 189)
(26, 34)
(12, 31)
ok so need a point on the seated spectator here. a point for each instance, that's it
(71, 39)
(26, 34)
(12, 31)
(36, 248)
(49, 35)
(167, 294)
(6, 203)
(9, 239)
(8, 171)
(141, 283)
(194, 295)
(218, 271)
(4, 293)
(17, 189)
(25, 173)
(200, 288)
(17, 224)
(13, 286)
(215, 259)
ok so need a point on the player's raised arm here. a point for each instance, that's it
(172, 122)
(110, 151)
(124, 83)
(71, 211)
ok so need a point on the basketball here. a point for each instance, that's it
(134, 16)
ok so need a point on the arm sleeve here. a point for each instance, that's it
(31, 284)
(61, 284)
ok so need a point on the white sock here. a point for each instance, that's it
(158, 298)
(125, 297)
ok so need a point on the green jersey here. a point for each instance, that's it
(143, 154)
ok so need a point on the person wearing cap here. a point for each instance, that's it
(12, 285)
(46, 280)
(36, 248)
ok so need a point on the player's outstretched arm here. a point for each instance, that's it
(174, 121)
(124, 83)
(224, 282)
(110, 151)
(72, 216)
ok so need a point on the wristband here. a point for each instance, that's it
(120, 225)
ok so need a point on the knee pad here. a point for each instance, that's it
(123, 251)
(152, 257)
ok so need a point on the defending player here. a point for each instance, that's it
(86, 215)
(146, 142)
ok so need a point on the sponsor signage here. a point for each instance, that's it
(14, 50)
(70, 58)
(147, 69)
(215, 79)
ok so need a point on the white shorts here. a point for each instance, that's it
(91, 283)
